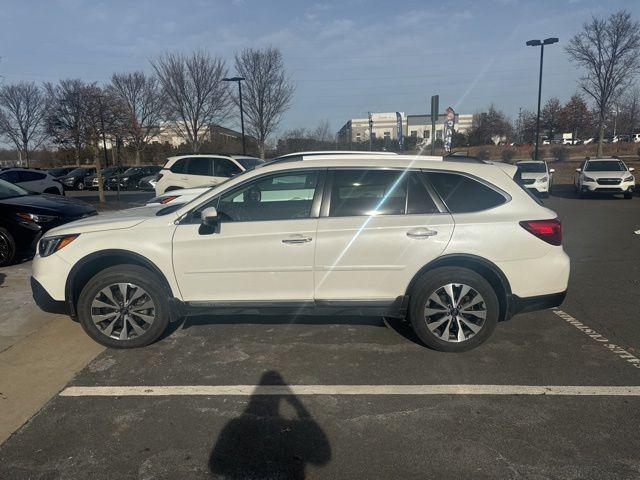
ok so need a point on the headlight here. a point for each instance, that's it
(543, 179)
(69, 181)
(125, 179)
(49, 245)
(629, 179)
(37, 218)
(588, 179)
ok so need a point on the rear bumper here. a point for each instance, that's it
(533, 304)
(45, 301)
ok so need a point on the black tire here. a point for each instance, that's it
(80, 185)
(140, 277)
(52, 191)
(430, 283)
(628, 195)
(8, 251)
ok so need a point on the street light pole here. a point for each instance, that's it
(239, 80)
(541, 44)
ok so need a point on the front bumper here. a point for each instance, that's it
(593, 187)
(539, 187)
(45, 301)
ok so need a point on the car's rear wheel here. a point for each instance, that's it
(53, 191)
(7, 248)
(453, 309)
(80, 185)
(125, 306)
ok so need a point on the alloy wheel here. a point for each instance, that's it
(5, 248)
(123, 311)
(455, 312)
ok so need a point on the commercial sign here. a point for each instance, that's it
(449, 123)
(399, 128)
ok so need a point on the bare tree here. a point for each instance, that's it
(323, 133)
(65, 117)
(22, 114)
(608, 50)
(140, 97)
(268, 91)
(550, 116)
(576, 118)
(629, 114)
(193, 94)
(103, 118)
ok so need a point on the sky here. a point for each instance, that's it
(345, 57)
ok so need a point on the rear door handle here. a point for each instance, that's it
(421, 232)
(297, 239)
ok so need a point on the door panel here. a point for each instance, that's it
(249, 261)
(263, 246)
(376, 257)
(379, 228)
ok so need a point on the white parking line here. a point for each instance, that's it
(246, 390)
(619, 351)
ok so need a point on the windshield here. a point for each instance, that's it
(77, 171)
(8, 190)
(532, 167)
(131, 171)
(249, 163)
(605, 166)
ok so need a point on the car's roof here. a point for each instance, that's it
(603, 160)
(207, 155)
(531, 161)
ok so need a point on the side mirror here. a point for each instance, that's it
(632, 169)
(578, 169)
(209, 217)
(552, 170)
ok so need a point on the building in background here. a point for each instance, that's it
(420, 126)
(384, 126)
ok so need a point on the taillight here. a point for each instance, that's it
(158, 176)
(548, 230)
(168, 199)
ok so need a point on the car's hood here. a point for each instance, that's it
(108, 221)
(56, 204)
(607, 174)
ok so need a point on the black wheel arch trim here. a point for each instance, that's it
(71, 296)
(457, 259)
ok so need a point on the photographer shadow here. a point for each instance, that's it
(262, 443)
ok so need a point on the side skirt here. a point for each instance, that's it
(395, 308)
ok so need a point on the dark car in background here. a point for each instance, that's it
(91, 181)
(25, 216)
(130, 179)
(60, 171)
(74, 180)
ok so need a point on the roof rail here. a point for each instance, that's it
(462, 158)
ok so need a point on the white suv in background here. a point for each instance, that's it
(33, 180)
(604, 175)
(455, 245)
(197, 170)
(536, 175)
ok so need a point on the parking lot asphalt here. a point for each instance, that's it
(592, 340)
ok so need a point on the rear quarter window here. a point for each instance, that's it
(462, 194)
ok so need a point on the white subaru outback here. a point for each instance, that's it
(455, 245)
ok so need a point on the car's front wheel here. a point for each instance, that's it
(453, 309)
(124, 306)
(8, 250)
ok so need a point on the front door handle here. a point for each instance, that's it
(297, 239)
(421, 232)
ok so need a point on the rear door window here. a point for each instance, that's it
(368, 192)
(462, 194)
(225, 168)
(200, 166)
